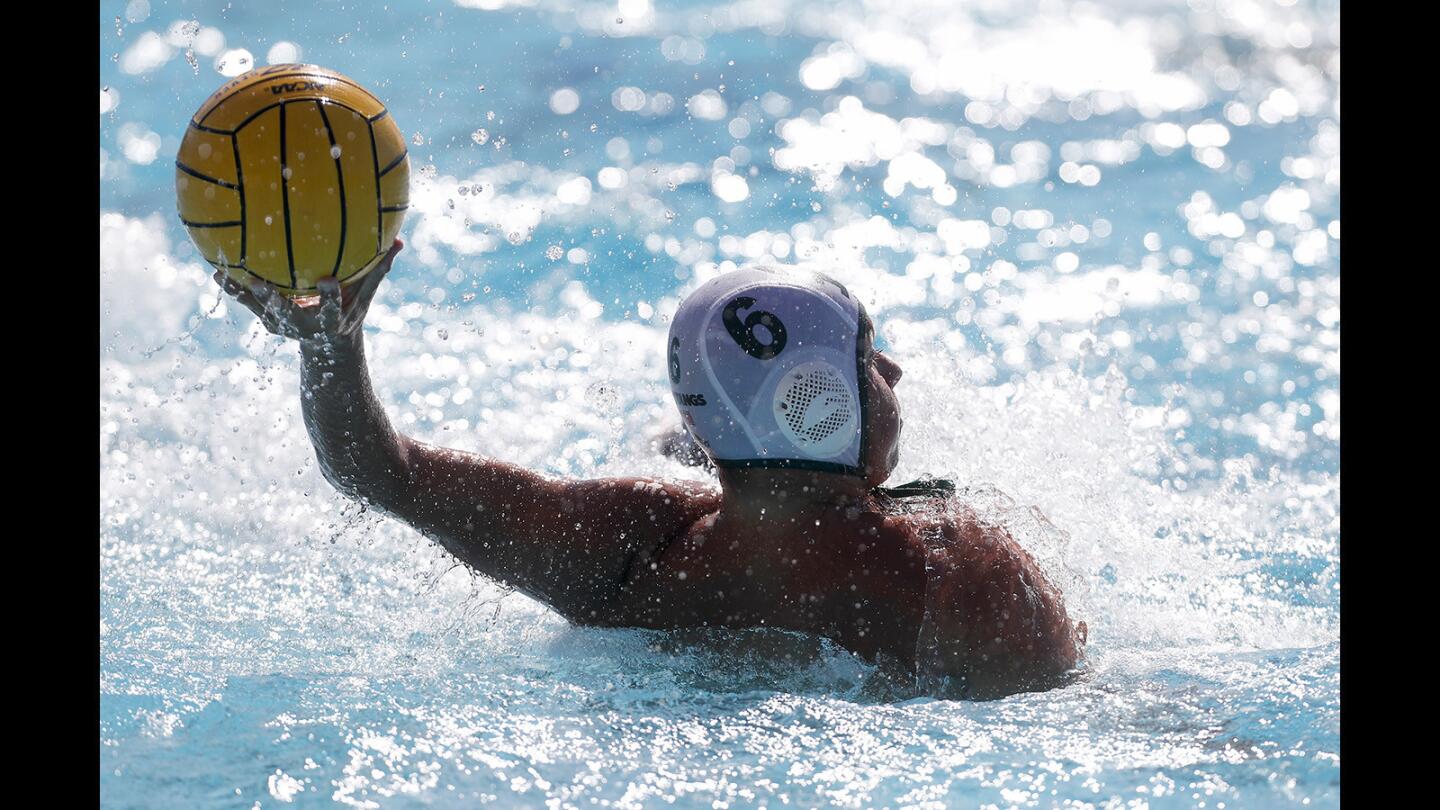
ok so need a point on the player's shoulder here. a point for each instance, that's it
(961, 527)
(959, 546)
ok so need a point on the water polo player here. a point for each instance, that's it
(777, 379)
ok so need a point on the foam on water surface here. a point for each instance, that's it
(1113, 288)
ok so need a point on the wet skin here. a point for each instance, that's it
(932, 589)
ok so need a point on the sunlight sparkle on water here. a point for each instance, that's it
(1102, 241)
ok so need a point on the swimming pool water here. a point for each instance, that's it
(1102, 240)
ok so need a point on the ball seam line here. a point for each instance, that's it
(219, 265)
(394, 163)
(379, 202)
(240, 184)
(340, 181)
(187, 223)
(217, 181)
(210, 130)
(285, 181)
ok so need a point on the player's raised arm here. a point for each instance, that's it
(360, 453)
(569, 543)
(566, 542)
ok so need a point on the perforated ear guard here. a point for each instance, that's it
(815, 409)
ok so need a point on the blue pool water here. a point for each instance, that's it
(1102, 239)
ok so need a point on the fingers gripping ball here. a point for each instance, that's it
(291, 174)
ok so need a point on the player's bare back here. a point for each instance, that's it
(929, 587)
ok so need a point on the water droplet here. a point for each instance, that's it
(269, 220)
(443, 334)
(480, 136)
(554, 252)
(285, 172)
(603, 396)
(670, 216)
(481, 88)
(417, 139)
(335, 152)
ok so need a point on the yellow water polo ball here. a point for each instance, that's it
(291, 174)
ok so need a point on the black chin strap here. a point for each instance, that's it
(920, 488)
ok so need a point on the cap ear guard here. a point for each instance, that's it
(816, 410)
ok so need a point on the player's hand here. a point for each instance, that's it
(337, 312)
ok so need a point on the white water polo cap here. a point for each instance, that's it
(766, 368)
